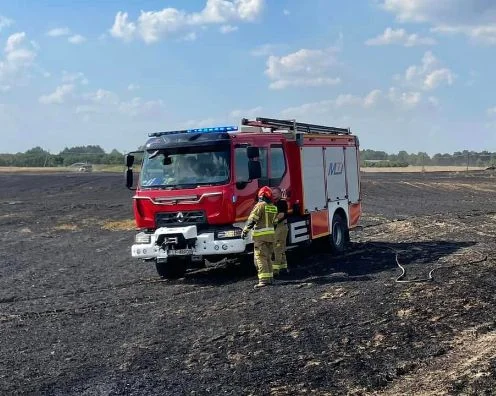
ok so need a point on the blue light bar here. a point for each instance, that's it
(214, 129)
(197, 130)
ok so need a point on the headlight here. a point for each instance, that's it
(234, 233)
(143, 238)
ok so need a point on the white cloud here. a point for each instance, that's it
(122, 28)
(473, 18)
(133, 87)
(429, 75)
(305, 67)
(19, 58)
(59, 32)
(372, 98)
(407, 100)
(481, 34)
(400, 37)
(247, 113)
(65, 31)
(5, 22)
(151, 26)
(375, 100)
(76, 39)
(102, 96)
(228, 29)
(491, 111)
(59, 96)
(74, 77)
(103, 102)
(286, 12)
(191, 36)
(304, 82)
(139, 107)
(14, 41)
(438, 77)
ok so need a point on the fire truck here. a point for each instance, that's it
(197, 187)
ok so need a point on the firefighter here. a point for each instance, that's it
(261, 220)
(280, 265)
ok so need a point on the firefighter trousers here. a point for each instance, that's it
(262, 250)
(280, 248)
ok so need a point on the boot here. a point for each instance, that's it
(263, 283)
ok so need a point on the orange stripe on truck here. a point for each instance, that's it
(354, 212)
(319, 222)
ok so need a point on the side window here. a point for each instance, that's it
(277, 165)
(264, 180)
(241, 164)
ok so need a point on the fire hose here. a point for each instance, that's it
(430, 278)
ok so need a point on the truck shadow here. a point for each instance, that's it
(358, 263)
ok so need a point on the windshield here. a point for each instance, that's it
(187, 169)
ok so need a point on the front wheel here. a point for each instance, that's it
(174, 268)
(339, 234)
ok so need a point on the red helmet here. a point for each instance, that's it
(265, 192)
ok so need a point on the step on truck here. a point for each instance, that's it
(196, 188)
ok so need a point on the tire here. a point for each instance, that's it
(174, 268)
(339, 234)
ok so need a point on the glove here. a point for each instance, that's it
(244, 234)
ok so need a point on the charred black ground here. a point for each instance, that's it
(79, 316)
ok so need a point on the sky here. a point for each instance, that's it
(414, 75)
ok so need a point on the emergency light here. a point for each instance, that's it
(214, 129)
(197, 130)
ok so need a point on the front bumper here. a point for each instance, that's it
(203, 244)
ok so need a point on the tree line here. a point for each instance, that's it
(38, 157)
(373, 158)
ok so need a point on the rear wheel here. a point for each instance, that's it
(339, 234)
(174, 268)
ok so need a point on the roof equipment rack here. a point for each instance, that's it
(295, 127)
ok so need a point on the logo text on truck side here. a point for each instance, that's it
(335, 168)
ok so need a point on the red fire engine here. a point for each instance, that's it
(197, 187)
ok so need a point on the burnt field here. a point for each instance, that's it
(79, 316)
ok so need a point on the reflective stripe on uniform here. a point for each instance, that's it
(265, 275)
(273, 211)
(279, 266)
(264, 231)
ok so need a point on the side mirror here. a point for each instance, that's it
(252, 152)
(129, 179)
(129, 160)
(254, 170)
(299, 139)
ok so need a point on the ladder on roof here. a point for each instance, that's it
(293, 126)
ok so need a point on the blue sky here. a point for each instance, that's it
(402, 74)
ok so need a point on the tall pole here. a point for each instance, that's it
(46, 158)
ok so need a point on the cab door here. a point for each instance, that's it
(246, 190)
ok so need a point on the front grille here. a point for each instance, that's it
(167, 219)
